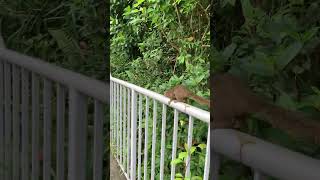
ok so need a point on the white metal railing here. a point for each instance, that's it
(126, 124)
(29, 90)
(264, 158)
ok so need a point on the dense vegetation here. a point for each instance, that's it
(274, 45)
(158, 44)
(69, 34)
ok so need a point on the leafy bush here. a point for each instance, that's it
(274, 45)
(158, 44)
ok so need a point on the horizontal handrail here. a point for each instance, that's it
(88, 86)
(266, 157)
(182, 107)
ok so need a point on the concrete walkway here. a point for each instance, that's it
(115, 170)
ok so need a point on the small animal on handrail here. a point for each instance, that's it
(233, 101)
(180, 93)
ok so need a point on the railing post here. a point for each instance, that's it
(146, 132)
(257, 175)
(133, 134)
(16, 122)
(154, 139)
(163, 140)
(111, 115)
(77, 135)
(8, 120)
(60, 132)
(98, 140)
(47, 93)
(1, 122)
(25, 125)
(128, 134)
(189, 142)
(35, 127)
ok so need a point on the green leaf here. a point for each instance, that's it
(248, 10)
(182, 122)
(263, 67)
(297, 69)
(138, 3)
(202, 146)
(310, 34)
(196, 178)
(183, 155)
(287, 55)
(225, 2)
(179, 175)
(286, 101)
(315, 89)
(176, 161)
(181, 59)
(300, 2)
(192, 149)
(229, 50)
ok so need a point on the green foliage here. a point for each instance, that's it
(67, 33)
(274, 45)
(158, 44)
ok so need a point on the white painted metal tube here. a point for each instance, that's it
(133, 134)
(163, 140)
(154, 140)
(145, 164)
(84, 84)
(189, 143)
(182, 107)
(140, 136)
(268, 158)
(174, 143)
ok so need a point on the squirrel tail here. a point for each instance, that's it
(295, 123)
(200, 100)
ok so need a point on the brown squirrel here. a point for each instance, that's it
(181, 93)
(233, 100)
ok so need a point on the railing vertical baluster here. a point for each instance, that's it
(16, 122)
(154, 139)
(61, 102)
(98, 135)
(78, 135)
(257, 175)
(207, 160)
(174, 143)
(163, 140)
(2, 124)
(47, 94)
(129, 132)
(111, 114)
(146, 129)
(35, 128)
(189, 144)
(114, 115)
(7, 118)
(125, 153)
(133, 134)
(120, 122)
(25, 125)
(139, 136)
(1, 121)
